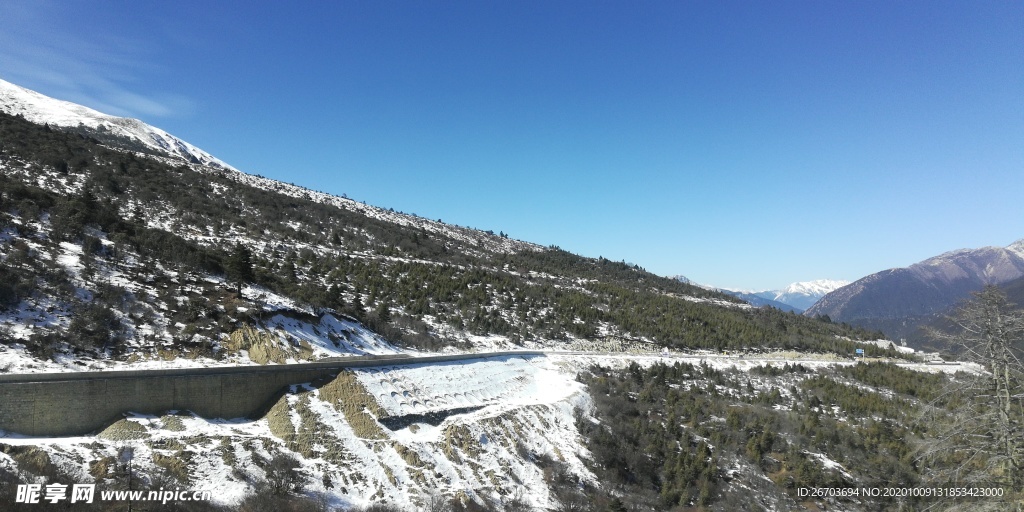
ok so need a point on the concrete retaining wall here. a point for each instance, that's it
(62, 404)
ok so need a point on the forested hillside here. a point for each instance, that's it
(145, 254)
(109, 257)
(696, 437)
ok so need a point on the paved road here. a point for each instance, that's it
(385, 360)
(334, 362)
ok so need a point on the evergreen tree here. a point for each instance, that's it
(239, 266)
(383, 313)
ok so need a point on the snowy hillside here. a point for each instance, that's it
(498, 431)
(510, 433)
(114, 257)
(472, 429)
(42, 109)
(1017, 248)
(484, 240)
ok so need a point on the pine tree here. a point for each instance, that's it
(239, 266)
(383, 313)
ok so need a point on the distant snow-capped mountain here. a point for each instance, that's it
(900, 300)
(795, 297)
(1016, 248)
(804, 294)
(41, 109)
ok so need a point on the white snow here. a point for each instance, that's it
(1017, 248)
(818, 287)
(500, 382)
(831, 465)
(41, 109)
(494, 408)
(887, 344)
(496, 402)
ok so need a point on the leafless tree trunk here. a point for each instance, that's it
(981, 440)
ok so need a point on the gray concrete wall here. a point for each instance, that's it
(62, 404)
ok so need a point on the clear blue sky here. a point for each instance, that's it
(743, 144)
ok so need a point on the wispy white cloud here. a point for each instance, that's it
(101, 71)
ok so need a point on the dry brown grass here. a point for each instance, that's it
(102, 468)
(166, 354)
(227, 452)
(459, 436)
(419, 476)
(124, 430)
(280, 420)
(390, 474)
(265, 347)
(172, 422)
(167, 444)
(177, 464)
(361, 410)
(308, 434)
(409, 456)
(309, 431)
(262, 346)
(30, 458)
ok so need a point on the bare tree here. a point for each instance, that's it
(571, 500)
(518, 502)
(436, 502)
(282, 474)
(980, 433)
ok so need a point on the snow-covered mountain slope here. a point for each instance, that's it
(491, 431)
(110, 258)
(468, 236)
(803, 295)
(795, 297)
(686, 280)
(1017, 248)
(816, 287)
(42, 109)
(185, 243)
(476, 430)
(135, 135)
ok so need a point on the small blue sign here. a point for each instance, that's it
(860, 351)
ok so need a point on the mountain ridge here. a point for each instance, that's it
(114, 259)
(795, 297)
(902, 299)
(303, 246)
(804, 294)
(41, 109)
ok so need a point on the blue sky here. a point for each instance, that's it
(743, 144)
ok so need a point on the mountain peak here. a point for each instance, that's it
(1017, 248)
(42, 109)
(796, 297)
(901, 300)
(804, 294)
(816, 287)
